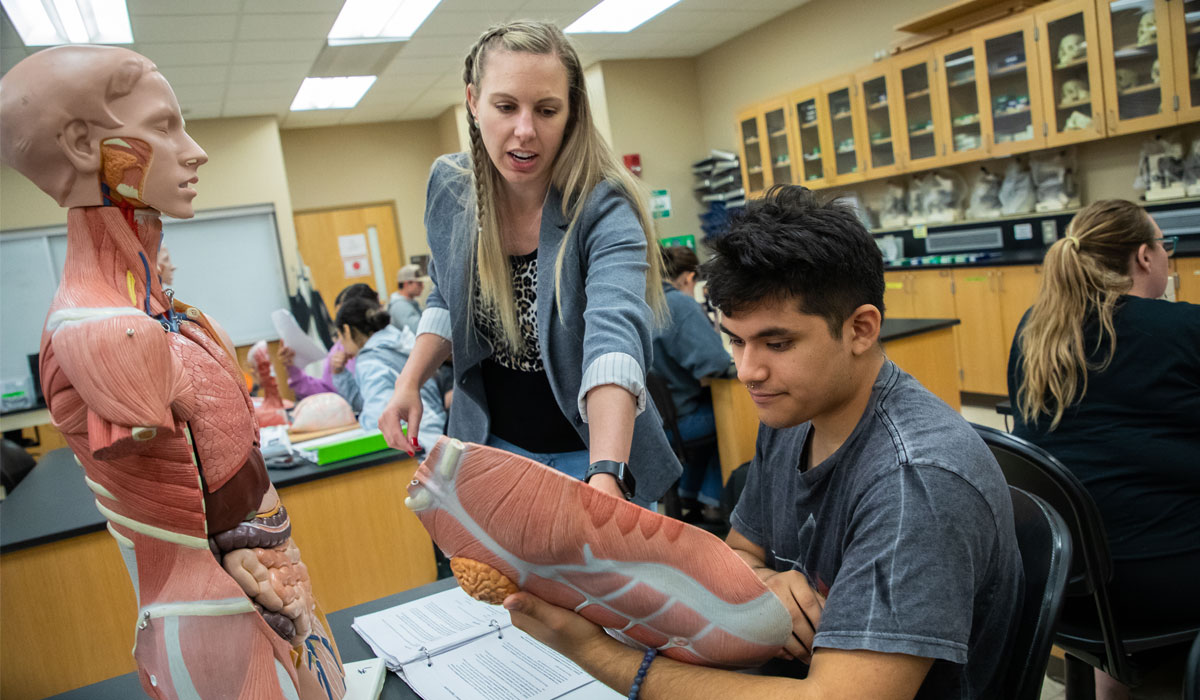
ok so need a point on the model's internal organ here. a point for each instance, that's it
(124, 164)
(654, 580)
(482, 581)
(322, 412)
(271, 410)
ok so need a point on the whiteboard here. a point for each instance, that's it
(229, 266)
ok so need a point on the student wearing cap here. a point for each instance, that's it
(403, 304)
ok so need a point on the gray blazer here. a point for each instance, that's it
(602, 336)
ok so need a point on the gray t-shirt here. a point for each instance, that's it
(907, 529)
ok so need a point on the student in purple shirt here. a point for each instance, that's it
(337, 370)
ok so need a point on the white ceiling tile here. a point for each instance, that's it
(218, 53)
(251, 72)
(278, 51)
(168, 28)
(213, 92)
(405, 65)
(196, 75)
(437, 47)
(313, 118)
(252, 107)
(366, 115)
(285, 6)
(264, 89)
(285, 26)
(469, 24)
(201, 110)
(477, 5)
(174, 7)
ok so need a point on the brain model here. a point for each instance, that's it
(322, 412)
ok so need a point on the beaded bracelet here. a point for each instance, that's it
(641, 674)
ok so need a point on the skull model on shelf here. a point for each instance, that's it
(1072, 47)
(1075, 91)
(1154, 72)
(1126, 78)
(1078, 121)
(1147, 29)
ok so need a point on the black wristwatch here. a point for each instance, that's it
(620, 470)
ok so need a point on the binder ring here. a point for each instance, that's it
(428, 658)
(496, 626)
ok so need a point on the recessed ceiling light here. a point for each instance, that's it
(617, 16)
(363, 21)
(331, 93)
(70, 21)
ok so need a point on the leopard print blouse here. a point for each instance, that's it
(529, 358)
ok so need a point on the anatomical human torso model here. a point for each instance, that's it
(148, 395)
(511, 524)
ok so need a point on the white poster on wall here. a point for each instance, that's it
(355, 256)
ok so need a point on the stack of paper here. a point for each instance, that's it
(450, 645)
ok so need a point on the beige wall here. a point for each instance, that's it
(344, 166)
(652, 108)
(593, 78)
(245, 166)
(453, 136)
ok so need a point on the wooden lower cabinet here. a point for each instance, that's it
(919, 294)
(1188, 270)
(990, 302)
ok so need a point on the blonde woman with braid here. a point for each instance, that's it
(546, 278)
(1106, 376)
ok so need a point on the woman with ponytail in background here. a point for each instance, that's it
(1106, 377)
(380, 351)
(546, 277)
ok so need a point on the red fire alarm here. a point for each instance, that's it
(633, 161)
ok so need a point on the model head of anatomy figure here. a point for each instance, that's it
(96, 125)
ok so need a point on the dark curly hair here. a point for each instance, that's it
(792, 245)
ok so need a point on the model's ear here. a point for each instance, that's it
(862, 328)
(77, 145)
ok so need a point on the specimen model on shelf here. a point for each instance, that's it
(147, 391)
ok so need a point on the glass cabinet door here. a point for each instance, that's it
(841, 128)
(961, 95)
(1138, 62)
(883, 148)
(752, 155)
(1072, 93)
(919, 117)
(1186, 49)
(1010, 91)
(808, 120)
(778, 150)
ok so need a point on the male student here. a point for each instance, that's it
(403, 305)
(871, 508)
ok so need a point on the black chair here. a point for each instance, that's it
(1094, 641)
(1191, 677)
(1045, 545)
(660, 394)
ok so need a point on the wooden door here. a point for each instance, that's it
(981, 348)
(810, 122)
(1185, 49)
(1010, 94)
(877, 99)
(1072, 90)
(1189, 280)
(919, 108)
(1133, 100)
(324, 235)
(960, 69)
(755, 178)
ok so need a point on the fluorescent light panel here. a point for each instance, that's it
(617, 16)
(363, 21)
(331, 93)
(70, 21)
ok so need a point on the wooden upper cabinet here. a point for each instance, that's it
(918, 108)
(751, 137)
(1138, 71)
(1185, 48)
(778, 143)
(960, 70)
(810, 122)
(1010, 95)
(877, 98)
(1069, 56)
(844, 140)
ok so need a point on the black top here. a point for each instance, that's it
(521, 405)
(1134, 437)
